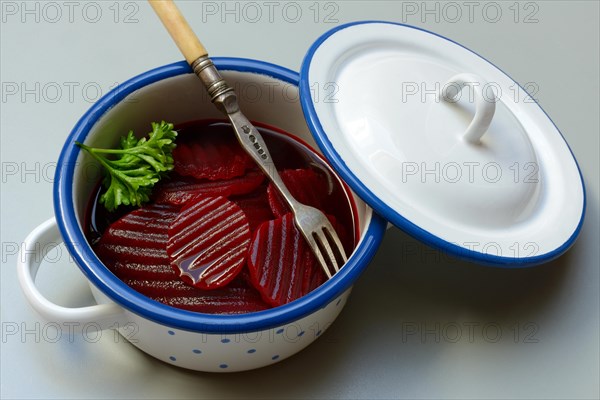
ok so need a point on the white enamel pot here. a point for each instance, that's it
(268, 94)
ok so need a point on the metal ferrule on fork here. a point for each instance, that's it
(221, 94)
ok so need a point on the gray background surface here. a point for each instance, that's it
(419, 324)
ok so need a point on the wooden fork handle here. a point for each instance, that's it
(187, 41)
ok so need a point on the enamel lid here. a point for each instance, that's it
(442, 143)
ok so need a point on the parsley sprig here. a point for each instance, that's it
(137, 165)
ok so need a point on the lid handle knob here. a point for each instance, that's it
(484, 107)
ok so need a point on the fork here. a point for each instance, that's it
(311, 222)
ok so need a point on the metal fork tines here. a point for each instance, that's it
(322, 238)
(311, 222)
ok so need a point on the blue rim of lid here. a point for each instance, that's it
(130, 299)
(388, 212)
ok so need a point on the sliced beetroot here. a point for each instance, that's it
(238, 297)
(212, 155)
(229, 300)
(131, 271)
(134, 248)
(179, 190)
(282, 267)
(307, 186)
(138, 240)
(208, 242)
(256, 207)
(159, 287)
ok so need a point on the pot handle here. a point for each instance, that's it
(35, 247)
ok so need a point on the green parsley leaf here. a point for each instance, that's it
(137, 165)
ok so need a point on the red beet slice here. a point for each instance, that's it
(134, 248)
(256, 207)
(208, 242)
(136, 243)
(131, 271)
(305, 185)
(180, 190)
(212, 155)
(282, 267)
(238, 297)
(230, 300)
(158, 287)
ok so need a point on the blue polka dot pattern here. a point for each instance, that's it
(248, 350)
